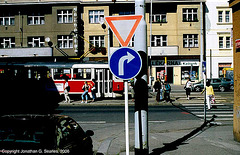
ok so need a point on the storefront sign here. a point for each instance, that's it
(237, 44)
(174, 63)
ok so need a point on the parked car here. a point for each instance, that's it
(217, 83)
(51, 134)
(231, 83)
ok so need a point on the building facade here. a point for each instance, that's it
(219, 51)
(72, 28)
(235, 5)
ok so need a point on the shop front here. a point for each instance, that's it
(177, 71)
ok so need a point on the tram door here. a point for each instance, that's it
(104, 82)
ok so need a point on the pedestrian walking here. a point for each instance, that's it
(167, 90)
(85, 88)
(210, 96)
(188, 87)
(66, 91)
(93, 90)
(157, 87)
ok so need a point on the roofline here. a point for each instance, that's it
(97, 2)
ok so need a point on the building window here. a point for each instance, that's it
(96, 16)
(7, 20)
(220, 42)
(224, 42)
(64, 16)
(220, 16)
(36, 19)
(7, 42)
(190, 15)
(127, 13)
(159, 40)
(159, 18)
(224, 16)
(190, 72)
(97, 41)
(190, 40)
(65, 41)
(36, 42)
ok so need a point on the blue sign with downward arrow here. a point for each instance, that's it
(125, 63)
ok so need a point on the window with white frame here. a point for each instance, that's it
(36, 42)
(220, 42)
(65, 41)
(227, 16)
(190, 15)
(224, 42)
(159, 40)
(7, 19)
(97, 41)
(190, 40)
(96, 16)
(8, 42)
(220, 16)
(36, 19)
(224, 16)
(159, 18)
(64, 16)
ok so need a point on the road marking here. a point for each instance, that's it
(200, 104)
(157, 121)
(91, 122)
(216, 112)
(216, 115)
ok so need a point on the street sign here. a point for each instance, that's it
(204, 66)
(125, 63)
(123, 27)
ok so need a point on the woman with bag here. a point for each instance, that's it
(210, 96)
(188, 87)
(85, 93)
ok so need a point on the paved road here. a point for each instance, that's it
(167, 123)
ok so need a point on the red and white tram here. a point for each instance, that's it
(77, 73)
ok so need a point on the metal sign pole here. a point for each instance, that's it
(126, 117)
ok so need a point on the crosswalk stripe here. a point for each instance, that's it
(216, 115)
(216, 112)
(198, 104)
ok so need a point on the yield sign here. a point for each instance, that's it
(124, 27)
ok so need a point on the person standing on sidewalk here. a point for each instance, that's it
(157, 87)
(66, 91)
(188, 88)
(85, 88)
(167, 90)
(93, 90)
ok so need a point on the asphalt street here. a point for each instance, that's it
(166, 123)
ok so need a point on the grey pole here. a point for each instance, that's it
(141, 85)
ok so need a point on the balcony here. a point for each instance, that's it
(26, 52)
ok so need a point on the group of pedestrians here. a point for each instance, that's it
(163, 90)
(85, 89)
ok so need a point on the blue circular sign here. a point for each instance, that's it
(125, 63)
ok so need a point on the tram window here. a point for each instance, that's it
(81, 73)
(62, 73)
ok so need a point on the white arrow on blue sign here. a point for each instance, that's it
(125, 63)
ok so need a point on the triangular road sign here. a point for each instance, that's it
(123, 27)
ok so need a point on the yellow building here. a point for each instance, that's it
(28, 27)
